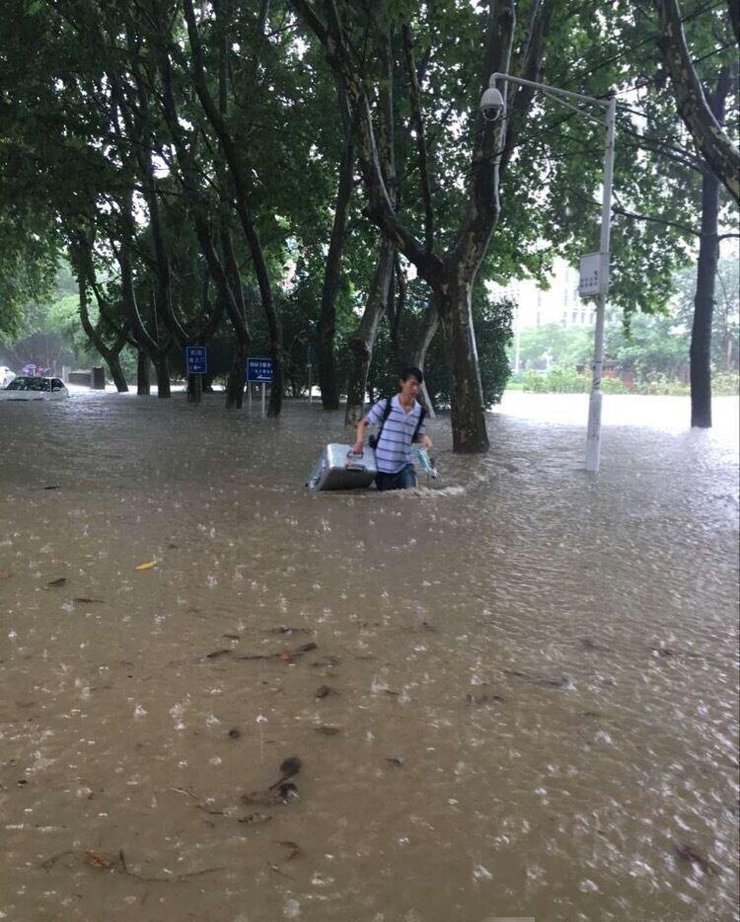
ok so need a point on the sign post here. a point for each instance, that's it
(196, 361)
(259, 370)
(590, 282)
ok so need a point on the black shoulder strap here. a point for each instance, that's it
(418, 425)
(386, 414)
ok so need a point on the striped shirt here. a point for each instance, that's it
(394, 448)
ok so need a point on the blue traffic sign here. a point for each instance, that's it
(259, 370)
(196, 359)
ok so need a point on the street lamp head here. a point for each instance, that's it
(492, 104)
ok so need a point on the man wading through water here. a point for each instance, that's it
(400, 426)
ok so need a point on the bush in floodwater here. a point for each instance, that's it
(556, 381)
(726, 384)
(661, 385)
(614, 386)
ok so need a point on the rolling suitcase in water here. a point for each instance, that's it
(339, 469)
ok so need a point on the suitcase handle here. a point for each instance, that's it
(352, 464)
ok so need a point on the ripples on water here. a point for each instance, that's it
(522, 701)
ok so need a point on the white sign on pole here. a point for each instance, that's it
(590, 283)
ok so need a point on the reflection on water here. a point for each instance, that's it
(512, 692)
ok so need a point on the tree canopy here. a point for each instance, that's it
(231, 171)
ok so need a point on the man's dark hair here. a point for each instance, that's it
(412, 372)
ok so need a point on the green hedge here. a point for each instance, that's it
(726, 384)
(569, 381)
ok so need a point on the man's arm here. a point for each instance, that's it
(360, 438)
(421, 438)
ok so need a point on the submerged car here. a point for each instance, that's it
(33, 387)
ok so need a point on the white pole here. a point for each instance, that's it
(263, 398)
(593, 438)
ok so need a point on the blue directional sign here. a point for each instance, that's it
(259, 370)
(196, 359)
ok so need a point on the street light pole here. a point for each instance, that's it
(593, 437)
(492, 107)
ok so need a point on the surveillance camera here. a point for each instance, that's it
(492, 104)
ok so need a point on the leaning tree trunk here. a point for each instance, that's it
(700, 353)
(110, 355)
(451, 275)
(420, 344)
(705, 127)
(362, 343)
(225, 273)
(155, 347)
(701, 330)
(240, 174)
(332, 281)
(424, 334)
(116, 372)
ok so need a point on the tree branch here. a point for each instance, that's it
(709, 136)
(421, 146)
(651, 219)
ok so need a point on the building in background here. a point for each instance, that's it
(536, 307)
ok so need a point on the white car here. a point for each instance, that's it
(25, 387)
(6, 376)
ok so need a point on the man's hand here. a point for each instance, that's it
(425, 442)
(360, 438)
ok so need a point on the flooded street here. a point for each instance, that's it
(512, 692)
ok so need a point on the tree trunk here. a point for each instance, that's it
(332, 277)
(153, 345)
(445, 274)
(110, 355)
(225, 274)
(143, 374)
(420, 344)
(701, 329)
(116, 372)
(424, 335)
(705, 128)
(162, 371)
(195, 388)
(239, 173)
(242, 337)
(700, 353)
(468, 414)
(362, 343)
(237, 374)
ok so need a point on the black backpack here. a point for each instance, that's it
(374, 439)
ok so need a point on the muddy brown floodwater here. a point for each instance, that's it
(511, 693)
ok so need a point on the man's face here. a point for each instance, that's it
(410, 387)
